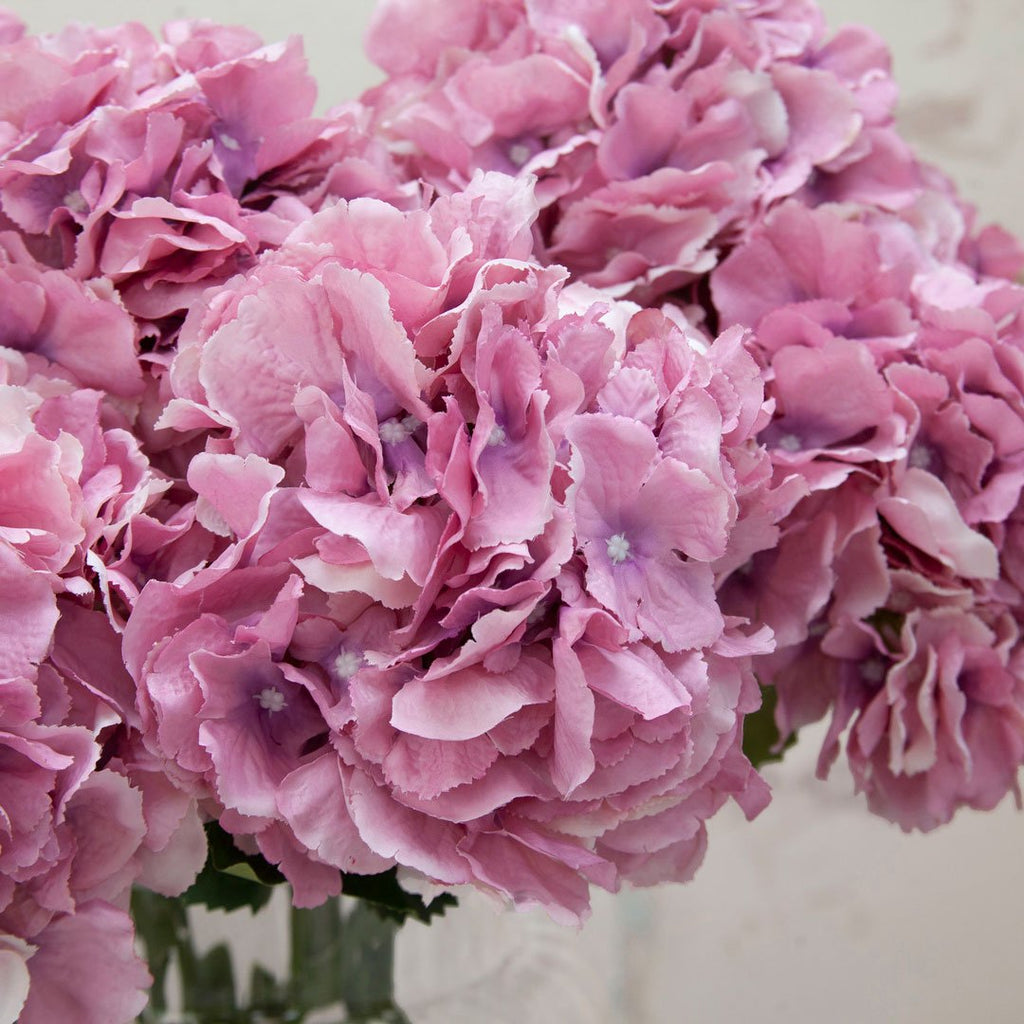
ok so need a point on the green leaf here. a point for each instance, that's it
(391, 901)
(231, 879)
(761, 739)
(217, 890)
(224, 855)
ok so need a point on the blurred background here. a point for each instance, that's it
(817, 911)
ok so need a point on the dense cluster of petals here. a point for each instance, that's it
(659, 132)
(464, 619)
(894, 592)
(432, 484)
(81, 511)
(165, 166)
(681, 144)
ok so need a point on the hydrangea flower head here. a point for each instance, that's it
(457, 622)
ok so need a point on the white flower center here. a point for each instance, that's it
(270, 699)
(921, 456)
(790, 443)
(497, 436)
(229, 142)
(75, 202)
(347, 664)
(519, 154)
(618, 548)
(393, 432)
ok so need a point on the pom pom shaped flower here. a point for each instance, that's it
(464, 618)
(896, 371)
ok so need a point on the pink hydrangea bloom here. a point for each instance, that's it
(456, 622)
(165, 166)
(74, 483)
(85, 967)
(659, 132)
(896, 372)
(330, 509)
(70, 841)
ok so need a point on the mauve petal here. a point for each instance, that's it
(281, 338)
(358, 577)
(85, 329)
(311, 799)
(86, 969)
(513, 454)
(701, 532)
(333, 460)
(922, 511)
(798, 254)
(399, 249)
(377, 349)
(436, 26)
(170, 697)
(311, 882)
(89, 651)
(468, 702)
(399, 834)
(399, 544)
(823, 122)
(507, 780)
(677, 862)
(829, 395)
(526, 876)
(151, 229)
(253, 745)
(677, 607)
(573, 757)
(234, 488)
(496, 212)
(253, 96)
(634, 677)
(428, 768)
(172, 868)
(106, 817)
(615, 455)
(28, 616)
(535, 93)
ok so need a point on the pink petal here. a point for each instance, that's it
(468, 702)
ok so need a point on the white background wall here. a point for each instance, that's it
(816, 912)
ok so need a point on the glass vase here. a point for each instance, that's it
(332, 964)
